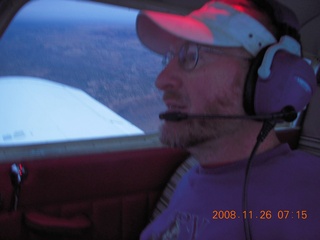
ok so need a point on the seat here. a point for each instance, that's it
(310, 134)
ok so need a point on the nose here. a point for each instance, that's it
(169, 78)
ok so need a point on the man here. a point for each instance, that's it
(210, 56)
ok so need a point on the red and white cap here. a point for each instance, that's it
(216, 24)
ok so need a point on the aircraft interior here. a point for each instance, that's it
(106, 187)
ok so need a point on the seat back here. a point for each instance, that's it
(310, 134)
(164, 200)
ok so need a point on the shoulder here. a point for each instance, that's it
(297, 157)
(291, 167)
(301, 167)
(304, 159)
(306, 164)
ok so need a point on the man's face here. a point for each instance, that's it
(214, 86)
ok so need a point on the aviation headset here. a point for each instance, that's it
(278, 78)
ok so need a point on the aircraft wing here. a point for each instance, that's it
(35, 110)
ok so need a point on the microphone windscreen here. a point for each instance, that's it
(289, 114)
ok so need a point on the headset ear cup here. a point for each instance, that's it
(291, 83)
(318, 75)
(250, 84)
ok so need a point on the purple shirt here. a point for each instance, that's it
(283, 200)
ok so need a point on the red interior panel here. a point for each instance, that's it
(103, 196)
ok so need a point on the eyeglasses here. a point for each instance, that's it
(188, 55)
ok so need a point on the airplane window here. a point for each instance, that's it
(75, 70)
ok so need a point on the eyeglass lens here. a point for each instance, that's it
(188, 56)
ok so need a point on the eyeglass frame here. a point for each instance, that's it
(182, 57)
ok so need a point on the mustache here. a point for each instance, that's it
(172, 95)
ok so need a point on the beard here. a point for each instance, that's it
(192, 132)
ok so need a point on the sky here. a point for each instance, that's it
(74, 10)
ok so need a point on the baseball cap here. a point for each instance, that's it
(216, 24)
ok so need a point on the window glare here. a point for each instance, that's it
(87, 47)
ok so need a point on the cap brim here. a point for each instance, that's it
(215, 24)
(159, 30)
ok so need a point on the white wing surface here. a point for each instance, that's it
(34, 110)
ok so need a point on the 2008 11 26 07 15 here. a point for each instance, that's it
(261, 215)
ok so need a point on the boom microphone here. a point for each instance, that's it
(288, 114)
